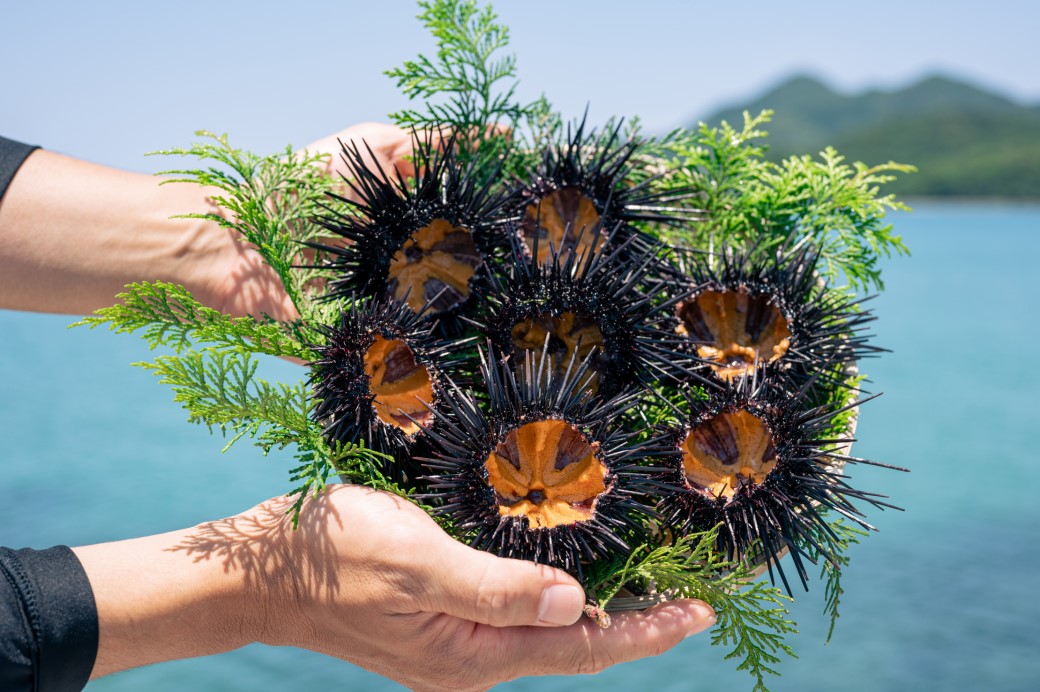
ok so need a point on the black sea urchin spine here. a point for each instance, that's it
(761, 518)
(465, 439)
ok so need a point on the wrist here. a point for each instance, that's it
(167, 597)
(276, 574)
(197, 253)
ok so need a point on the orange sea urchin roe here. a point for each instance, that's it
(568, 333)
(399, 384)
(728, 451)
(737, 329)
(566, 220)
(548, 472)
(436, 264)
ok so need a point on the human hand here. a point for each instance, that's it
(371, 579)
(385, 588)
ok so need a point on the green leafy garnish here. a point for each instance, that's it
(750, 201)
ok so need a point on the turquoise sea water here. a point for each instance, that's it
(943, 598)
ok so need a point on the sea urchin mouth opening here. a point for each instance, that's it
(547, 471)
(735, 329)
(726, 452)
(435, 264)
(399, 384)
(566, 220)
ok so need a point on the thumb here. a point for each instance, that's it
(503, 592)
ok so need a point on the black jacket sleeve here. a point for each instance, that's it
(12, 155)
(48, 621)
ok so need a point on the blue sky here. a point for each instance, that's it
(108, 81)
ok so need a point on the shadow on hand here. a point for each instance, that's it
(269, 553)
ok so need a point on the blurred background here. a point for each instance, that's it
(940, 598)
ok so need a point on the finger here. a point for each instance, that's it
(587, 648)
(480, 587)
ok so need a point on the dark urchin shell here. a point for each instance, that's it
(751, 421)
(402, 223)
(347, 405)
(613, 298)
(465, 439)
(583, 189)
(749, 309)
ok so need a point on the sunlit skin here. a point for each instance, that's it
(548, 472)
(738, 328)
(565, 220)
(726, 452)
(399, 383)
(435, 264)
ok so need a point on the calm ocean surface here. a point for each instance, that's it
(945, 597)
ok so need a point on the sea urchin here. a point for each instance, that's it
(611, 304)
(420, 240)
(746, 310)
(375, 378)
(548, 473)
(582, 190)
(759, 463)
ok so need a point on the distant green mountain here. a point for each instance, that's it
(965, 141)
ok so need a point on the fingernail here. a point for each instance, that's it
(703, 617)
(561, 604)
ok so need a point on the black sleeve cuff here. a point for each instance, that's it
(49, 630)
(12, 155)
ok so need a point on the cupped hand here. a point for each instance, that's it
(371, 579)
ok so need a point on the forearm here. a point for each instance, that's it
(72, 234)
(156, 602)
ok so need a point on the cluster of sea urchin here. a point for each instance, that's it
(547, 455)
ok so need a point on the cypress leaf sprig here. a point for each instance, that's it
(752, 615)
(168, 315)
(271, 202)
(470, 88)
(220, 389)
(751, 202)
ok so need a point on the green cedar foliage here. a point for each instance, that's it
(470, 86)
(270, 201)
(752, 616)
(169, 316)
(750, 201)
